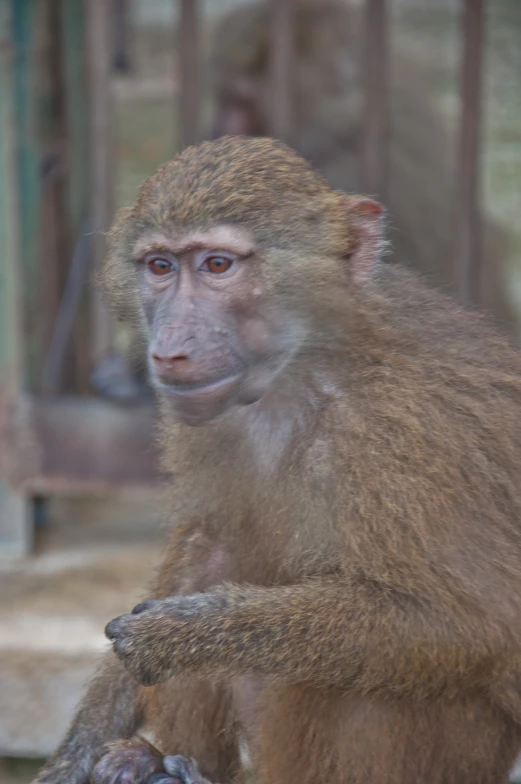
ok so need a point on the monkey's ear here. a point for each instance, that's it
(366, 222)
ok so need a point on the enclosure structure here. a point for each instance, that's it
(56, 435)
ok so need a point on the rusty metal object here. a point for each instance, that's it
(99, 49)
(67, 312)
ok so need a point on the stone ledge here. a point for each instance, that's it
(52, 614)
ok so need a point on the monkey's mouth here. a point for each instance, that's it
(200, 402)
(202, 389)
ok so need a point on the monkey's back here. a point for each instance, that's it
(432, 449)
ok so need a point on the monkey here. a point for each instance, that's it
(340, 599)
(328, 130)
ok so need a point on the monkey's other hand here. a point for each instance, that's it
(156, 640)
(128, 762)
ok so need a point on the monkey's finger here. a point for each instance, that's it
(183, 768)
(163, 778)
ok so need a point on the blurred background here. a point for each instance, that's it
(413, 101)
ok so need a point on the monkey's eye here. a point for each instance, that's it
(217, 264)
(159, 266)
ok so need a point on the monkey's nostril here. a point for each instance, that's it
(169, 359)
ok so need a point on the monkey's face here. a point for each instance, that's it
(213, 340)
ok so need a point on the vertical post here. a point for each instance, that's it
(467, 217)
(14, 508)
(189, 72)
(121, 55)
(375, 66)
(99, 48)
(54, 254)
(23, 26)
(281, 68)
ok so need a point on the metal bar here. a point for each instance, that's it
(375, 67)
(467, 213)
(99, 49)
(14, 506)
(189, 72)
(281, 68)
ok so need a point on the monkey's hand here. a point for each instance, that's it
(137, 762)
(123, 761)
(156, 640)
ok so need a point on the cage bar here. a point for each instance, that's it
(189, 72)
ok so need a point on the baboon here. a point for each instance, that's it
(340, 600)
(327, 131)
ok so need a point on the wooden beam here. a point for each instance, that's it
(14, 506)
(99, 56)
(467, 245)
(375, 68)
(78, 445)
(281, 69)
(189, 72)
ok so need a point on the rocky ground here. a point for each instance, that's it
(93, 561)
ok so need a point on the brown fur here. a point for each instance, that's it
(327, 131)
(347, 549)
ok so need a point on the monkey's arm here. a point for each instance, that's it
(110, 710)
(362, 635)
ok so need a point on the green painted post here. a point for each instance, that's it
(14, 507)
